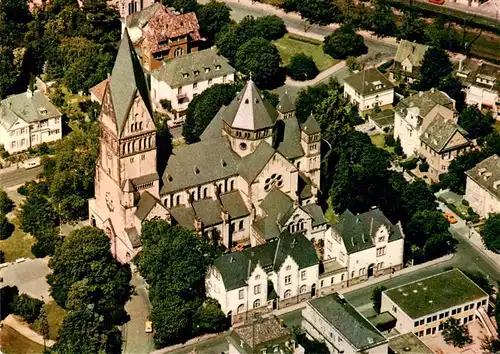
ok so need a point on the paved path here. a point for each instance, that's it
(29, 277)
(17, 176)
(27, 332)
(325, 74)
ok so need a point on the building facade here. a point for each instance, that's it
(266, 277)
(422, 306)
(482, 189)
(27, 120)
(369, 89)
(182, 78)
(408, 61)
(129, 7)
(365, 245)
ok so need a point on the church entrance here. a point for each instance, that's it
(370, 270)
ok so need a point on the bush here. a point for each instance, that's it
(166, 104)
(27, 307)
(6, 204)
(424, 167)
(352, 63)
(6, 228)
(398, 149)
(389, 140)
(344, 42)
(302, 67)
(410, 164)
(23, 190)
(465, 202)
(5, 154)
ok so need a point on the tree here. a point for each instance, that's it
(411, 27)
(382, 21)
(490, 345)
(27, 307)
(455, 178)
(183, 6)
(6, 228)
(260, 59)
(439, 36)
(377, 297)
(47, 240)
(436, 65)
(271, 27)
(344, 42)
(475, 123)
(455, 333)
(353, 64)
(6, 204)
(302, 67)
(44, 327)
(8, 294)
(453, 88)
(308, 99)
(320, 12)
(212, 18)
(491, 233)
(418, 197)
(8, 71)
(423, 225)
(209, 318)
(36, 214)
(203, 108)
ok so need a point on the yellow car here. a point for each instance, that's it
(149, 327)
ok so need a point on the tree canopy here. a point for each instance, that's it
(302, 67)
(382, 20)
(213, 18)
(435, 66)
(411, 27)
(260, 59)
(344, 42)
(455, 333)
(320, 12)
(475, 122)
(491, 233)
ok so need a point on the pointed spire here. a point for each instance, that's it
(311, 126)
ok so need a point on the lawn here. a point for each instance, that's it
(330, 216)
(379, 141)
(55, 316)
(18, 245)
(292, 44)
(14, 343)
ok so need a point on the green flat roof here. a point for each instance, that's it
(436, 293)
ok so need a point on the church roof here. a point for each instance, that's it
(311, 126)
(146, 203)
(127, 78)
(290, 146)
(249, 111)
(233, 203)
(252, 164)
(285, 104)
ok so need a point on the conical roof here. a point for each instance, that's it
(127, 78)
(311, 126)
(249, 111)
(285, 104)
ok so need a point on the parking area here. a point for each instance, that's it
(29, 277)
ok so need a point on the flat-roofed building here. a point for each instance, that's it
(424, 305)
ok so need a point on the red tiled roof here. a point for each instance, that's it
(98, 90)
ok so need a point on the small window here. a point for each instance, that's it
(241, 294)
(415, 324)
(196, 72)
(303, 275)
(217, 67)
(241, 225)
(209, 82)
(288, 280)
(288, 267)
(303, 289)
(288, 293)
(257, 277)
(195, 85)
(207, 70)
(256, 289)
(256, 303)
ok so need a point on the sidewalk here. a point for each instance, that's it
(27, 332)
(321, 76)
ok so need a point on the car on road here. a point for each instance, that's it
(32, 163)
(148, 328)
(450, 217)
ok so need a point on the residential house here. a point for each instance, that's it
(252, 161)
(368, 89)
(482, 187)
(366, 244)
(182, 78)
(333, 320)
(422, 306)
(441, 142)
(159, 32)
(482, 82)
(276, 274)
(28, 119)
(408, 61)
(414, 113)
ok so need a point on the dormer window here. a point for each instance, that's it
(196, 72)
(207, 70)
(217, 67)
(42, 110)
(185, 75)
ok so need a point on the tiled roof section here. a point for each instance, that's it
(127, 79)
(285, 104)
(146, 203)
(348, 321)
(311, 126)
(249, 111)
(233, 203)
(134, 237)
(263, 331)
(251, 165)
(479, 73)
(413, 51)
(199, 163)
(357, 231)
(183, 216)
(236, 267)
(29, 106)
(369, 81)
(164, 25)
(318, 218)
(428, 296)
(141, 18)
(425, 101)
(208, 211)
(290, 146)
(194, 67)
(383, 118)
(439, 132)
(487, 175)
(99, 89)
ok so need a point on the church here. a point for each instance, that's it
(254, 174)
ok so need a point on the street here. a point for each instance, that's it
(18, 176)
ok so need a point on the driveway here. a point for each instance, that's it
(29, 277)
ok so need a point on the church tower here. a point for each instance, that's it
(126, 166)
(310, 140)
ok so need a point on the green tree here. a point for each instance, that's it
(213, 18)
(36, 214)
(8, 71)
(302, 67)
(8, 294)
(442, 34)
(435, 66)
(382, 20)
(456, 334)
(209, 318)
(203, 108)
(47, 240)
(308, 99)
(491, 233)
(475, 123)
(411, 27)
(183, 6)
(6, 228)
(44, 327)
(455, 178)
(377, 297)
(418, 197)
(423, 225)
(27, 307)
(259, 58)
(320, 12)
(271, 27)
(235, 35)
(344, 42)
(6, 204)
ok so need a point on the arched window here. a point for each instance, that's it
(140, 144)
(242, 224)
(342, 277)
(129, 147)
(178, 52)
(205, 192)
(288, 293)
(165, 202)
(241, 308)
(232, 185)
(123, 149)
(149, 142)
(140, 125)
(298, 165)
(178, 200)
(303, 289)
(256, 303)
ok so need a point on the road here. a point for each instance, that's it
(19, 176)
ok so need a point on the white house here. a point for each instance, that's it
(366, 245)
(368, 89)
(28, 119)
(482, 187)
(180, 79)
(414, 113)
(334, 321)
(278, 273)
(422, 306)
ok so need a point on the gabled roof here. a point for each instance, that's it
(251, 165)
(311, 126)
(290, 146)
(479, 73)
(194, 67)
(183, 216)
(236, 267)
(99, 89)
(146, 203)
(487, 175)
(285, 103)
(318, 218)
(249, 111)
(141, 18)
(127, 79)
(278, 206)
(233, 203)
(439, 132)
(369, 81)
(425, 101)
(134, 237)
(261, 333)
(413, 51)
(358, 231)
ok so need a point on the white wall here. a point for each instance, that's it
(366, 102)
(476, 95)
(480, 199)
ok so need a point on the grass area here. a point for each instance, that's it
(379, 141)
(330, 215)
(55, 316)
(15, 343)
(484, 47)
(18, 245)
(290, 45)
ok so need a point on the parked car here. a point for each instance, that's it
(450, 217)
(148, 328)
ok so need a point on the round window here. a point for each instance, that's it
(243, 146)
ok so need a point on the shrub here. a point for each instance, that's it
(398, 149)
(352, 64)
(5, 154)
(424, 167)
(389, 140)
(27, 307)
(344, 42)
(166, 104)
(302, 67)
(23, 190)
(410, 164)
(465, 202)
(6, 204)
(6, 228)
